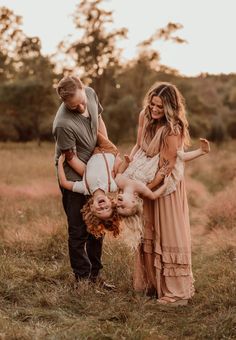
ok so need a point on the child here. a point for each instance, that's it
(136, 180)
(99, 212)
(140, 175)
(98, 181)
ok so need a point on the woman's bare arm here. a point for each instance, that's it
(160, 175)
(168, 155)
(102, 127)
(121, 165)
(139, 135)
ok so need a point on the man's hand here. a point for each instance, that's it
(204, 146)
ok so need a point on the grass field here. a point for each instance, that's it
(38, 297)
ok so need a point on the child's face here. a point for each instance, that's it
(126, 204)
(102, 207)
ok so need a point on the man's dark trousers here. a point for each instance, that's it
(84, 249)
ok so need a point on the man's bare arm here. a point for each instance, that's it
(102, 127)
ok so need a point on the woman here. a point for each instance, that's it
(163, 263)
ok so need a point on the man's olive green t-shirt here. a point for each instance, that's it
(72, 130)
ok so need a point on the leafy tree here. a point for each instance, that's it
(27, 104)
(94, 51)
(10, 38)
(147, 51)
(140, 73)
(121, 119)
(218, 131)
(27, 97)
(231, 128)
(230, 98)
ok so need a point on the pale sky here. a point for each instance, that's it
(209, 28)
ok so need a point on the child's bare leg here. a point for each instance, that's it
(64, 183)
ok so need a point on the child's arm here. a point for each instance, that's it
(204, 148)
(64, 183)
(158, 192)
(74, 162)
(143, 190)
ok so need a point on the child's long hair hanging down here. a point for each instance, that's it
(128, 228)
(132, 226)
(97, 226)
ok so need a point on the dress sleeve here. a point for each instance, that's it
(79, 187)
(175, 165)
(169, 151)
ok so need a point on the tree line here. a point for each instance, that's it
(28, 100)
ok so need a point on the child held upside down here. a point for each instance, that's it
(98, 181)
(105, 173)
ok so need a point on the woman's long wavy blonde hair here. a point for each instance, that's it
(174, 109)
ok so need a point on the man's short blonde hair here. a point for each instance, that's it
(68, 86)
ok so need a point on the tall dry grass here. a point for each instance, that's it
(38, 296)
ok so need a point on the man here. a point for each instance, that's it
(75, 129)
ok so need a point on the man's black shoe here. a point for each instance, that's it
(81, 278)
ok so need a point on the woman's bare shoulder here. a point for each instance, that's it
(173, 138)
(141, 117)
(176, 132)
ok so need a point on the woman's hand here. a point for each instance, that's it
(128, 159)
(165, 169)
(204, 146)
(166, 180)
